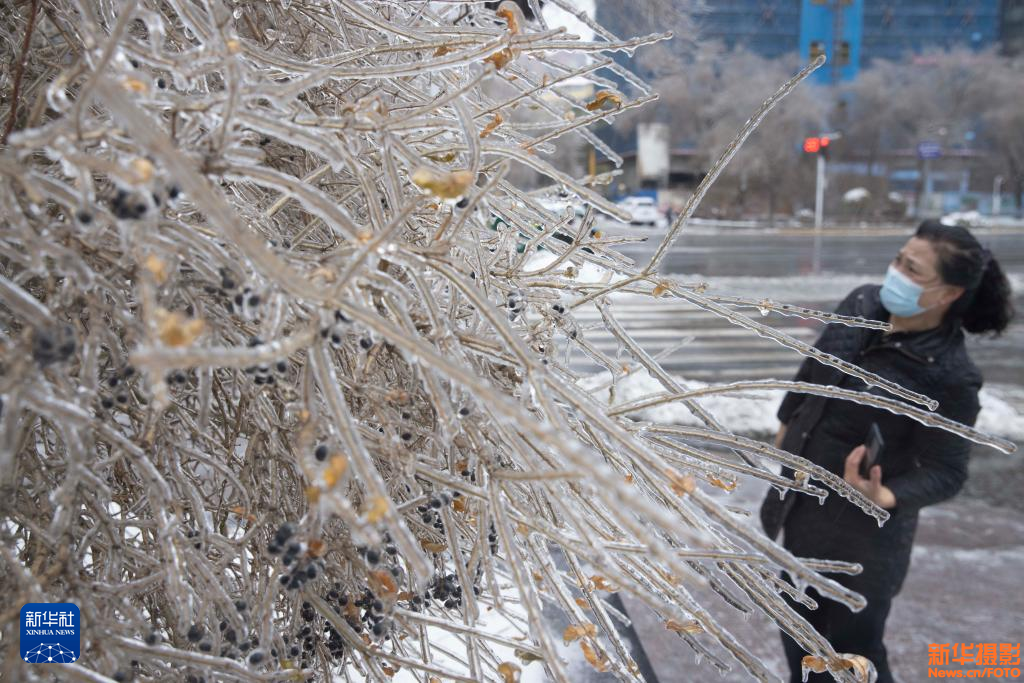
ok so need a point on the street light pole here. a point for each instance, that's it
(997, 195)
(819, 211)
(819, 146)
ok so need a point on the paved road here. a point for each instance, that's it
(731, 252)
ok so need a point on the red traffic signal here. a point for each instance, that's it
(815, 145)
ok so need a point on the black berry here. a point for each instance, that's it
(195, 633)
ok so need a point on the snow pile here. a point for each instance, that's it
(973, 219)
(753, 412)
(856, 195)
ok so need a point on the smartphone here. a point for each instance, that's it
(874, 444)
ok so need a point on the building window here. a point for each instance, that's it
(843, 53)
(817, 49)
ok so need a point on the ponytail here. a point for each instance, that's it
(991, 308)
(986, 305)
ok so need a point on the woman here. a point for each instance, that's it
(940, 284)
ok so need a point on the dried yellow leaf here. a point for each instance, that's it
(602, 584)
(582, 603)
(240, 511)
(134, 85)
(459, 505)
(596, 660)
(234, 46)
(326, 273)
(862, 668)
(383, 583)
(142, 170)
(399, 396)
(490, 127)
(574, 632)
(432, 547)
(684, 626)
(512, 14)
(509, 672)
(335, 469)
(815, 664)
(157, 267)
(442, 51)
(681, 484)
(500, 58)
(442, 158)
(313, 494)
(388, 671)
(174, 329)
(451, 185)
(725, 485)
(316, 548)
(378, 510)
(526, 656)
(604, 99)
(660, 288)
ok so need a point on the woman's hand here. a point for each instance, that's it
(872, 488)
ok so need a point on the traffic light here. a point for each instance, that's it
(817, 145)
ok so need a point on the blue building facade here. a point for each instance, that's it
(835, 29)
(853, 33)
(770, 28)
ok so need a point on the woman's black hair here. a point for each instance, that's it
(986, 304)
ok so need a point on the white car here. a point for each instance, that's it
(645, 213)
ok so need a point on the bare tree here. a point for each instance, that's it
(770, 161)
(999, 90)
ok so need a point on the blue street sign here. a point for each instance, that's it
(929, 150)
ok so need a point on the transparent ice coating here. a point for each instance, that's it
(274, 344)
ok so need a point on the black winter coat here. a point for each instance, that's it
(921, 465)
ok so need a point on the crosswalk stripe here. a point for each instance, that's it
(719, 350)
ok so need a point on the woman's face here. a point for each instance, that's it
(918, 260)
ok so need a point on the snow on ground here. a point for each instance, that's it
(448, 650)
(753, 412)
(855, 195)
(973, 219)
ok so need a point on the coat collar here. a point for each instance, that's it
(925, 346)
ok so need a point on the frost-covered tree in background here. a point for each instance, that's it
(283, 391)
